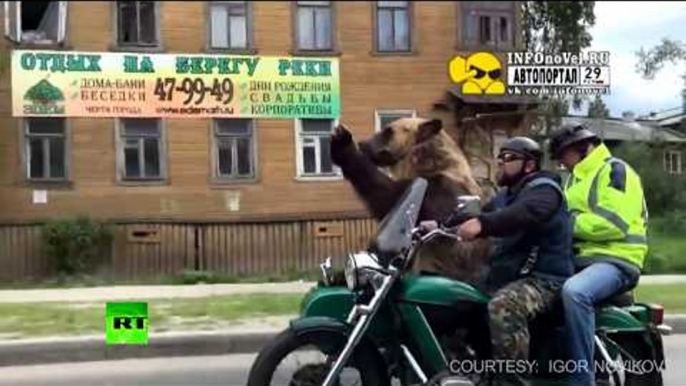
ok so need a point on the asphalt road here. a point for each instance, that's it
(227, 370)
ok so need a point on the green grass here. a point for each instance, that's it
(671, 296)
(667, 253)
(183, 278)
(52, 319)
(26, 320)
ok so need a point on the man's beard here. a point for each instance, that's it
(510, 180)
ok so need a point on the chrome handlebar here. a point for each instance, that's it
(429, 230)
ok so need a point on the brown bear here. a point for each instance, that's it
(409, 148)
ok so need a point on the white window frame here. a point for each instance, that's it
(120, 163)
(409, 9)
(669, 164)
(138, 45)
(337, 173)
(296, 27)
(17, 35)
(215, 154)
(27, 151)
(378, 113)
(248, 26)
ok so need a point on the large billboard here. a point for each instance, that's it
(110, 84)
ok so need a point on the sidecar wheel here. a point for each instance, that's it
(362, 368)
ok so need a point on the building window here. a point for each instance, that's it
(314, 26)
(40, 22)
(488, 23)
(138, 23)
(382, 118)
(393, 26)
(234, 148)
(46, 155)
(673, 162)
(142, 149)
(314, 148)
(229, 25)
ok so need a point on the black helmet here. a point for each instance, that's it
(568, 135)
(526, 147)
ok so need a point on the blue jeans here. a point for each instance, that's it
(580, 293)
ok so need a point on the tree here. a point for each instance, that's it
(558, 26)
(598, 109)
(652, 61)
(555, 27)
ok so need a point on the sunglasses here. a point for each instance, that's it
(509, 157)
(494, 74)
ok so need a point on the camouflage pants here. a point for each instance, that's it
(510, 310)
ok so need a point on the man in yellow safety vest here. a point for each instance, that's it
(609, 218)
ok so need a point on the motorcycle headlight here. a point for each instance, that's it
(360, 269)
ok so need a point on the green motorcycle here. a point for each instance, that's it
(392, 326)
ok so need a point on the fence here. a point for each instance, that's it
(146, 249)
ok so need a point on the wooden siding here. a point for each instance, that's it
(153, 249)
(368, 82)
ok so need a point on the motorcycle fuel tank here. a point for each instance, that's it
(440, 291)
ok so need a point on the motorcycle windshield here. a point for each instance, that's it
(394, 233)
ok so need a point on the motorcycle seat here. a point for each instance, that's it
(623, 299)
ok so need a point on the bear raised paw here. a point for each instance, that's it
(409, 148)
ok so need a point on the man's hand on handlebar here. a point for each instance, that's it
(427, 230)
(470, 229)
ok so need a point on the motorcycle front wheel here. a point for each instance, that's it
(305, 359)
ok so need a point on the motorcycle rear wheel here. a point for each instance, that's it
(640, 367)
(330, 344)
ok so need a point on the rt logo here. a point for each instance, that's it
(480, 73)
(126, 323)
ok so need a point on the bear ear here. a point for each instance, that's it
(428, 129)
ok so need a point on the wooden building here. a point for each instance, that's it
(238, 196)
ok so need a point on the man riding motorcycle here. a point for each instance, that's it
(609, 217)
(391, 324)
(533, 249)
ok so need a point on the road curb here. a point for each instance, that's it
(47, 351)
(93, 348)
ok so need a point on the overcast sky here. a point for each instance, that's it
(623, 28)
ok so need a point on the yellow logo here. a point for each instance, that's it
(480, 73)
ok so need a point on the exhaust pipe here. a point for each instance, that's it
(664, 329)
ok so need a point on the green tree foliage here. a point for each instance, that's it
(665, 195)
(598, 109)
(556, 27)
(652, 61)
(664, 192)
(75, 246)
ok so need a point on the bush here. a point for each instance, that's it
(75, 246)
(671, 223)
(656, 263)
(663, 192)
